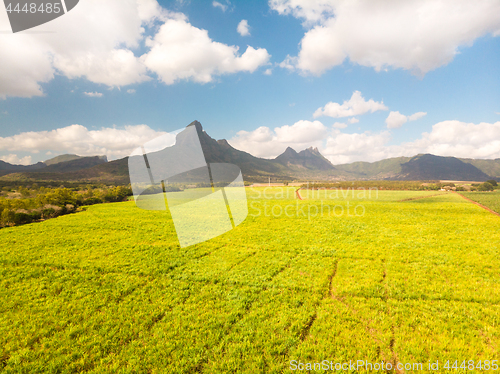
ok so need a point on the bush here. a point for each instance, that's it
(20, 218)
(91, 201)
(492, 182)
(486, 186)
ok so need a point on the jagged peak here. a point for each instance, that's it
(196, 124)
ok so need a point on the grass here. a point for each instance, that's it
(109, 289)
(489, 199)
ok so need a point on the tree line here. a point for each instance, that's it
(24, 204)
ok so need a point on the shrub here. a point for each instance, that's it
(91, 201)
(486, 186)
(20, 218)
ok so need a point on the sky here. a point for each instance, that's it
(361, 80)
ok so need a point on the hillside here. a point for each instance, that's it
(61, 158)
(490, 167)
(384, 169)
(430, 167)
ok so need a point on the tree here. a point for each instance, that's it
(486, 186)
(7, 217)
(493, 182)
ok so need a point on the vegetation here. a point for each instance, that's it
(25, 205)
(381, 185)
(488, 199)
(109, 289)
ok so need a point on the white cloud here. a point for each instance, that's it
(268, 72)
(131, 91)
(356, 105)
(447, 138)
(98, 41)
(180, 51)
(288, 63)
(113, 142)
(243, 28)
(13, 159)
(461, 139)
(263, 142)
(216, 4)
(342, 148)
(416, 35)
(396, 119)
(312, 11)
(416, 116)
(353, 120)
(93, 94)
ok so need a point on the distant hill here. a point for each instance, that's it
(490, 167)
(430, 167)
(6, 168)
(389, 168)
(74, 164)
(61, 158)
(308, 164)
(309, 158)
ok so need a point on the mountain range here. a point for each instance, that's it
(308, 164)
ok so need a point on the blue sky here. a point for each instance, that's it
(74, 86)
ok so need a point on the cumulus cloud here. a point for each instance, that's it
(131, 91)
(353, 120)
(396, 119)
(447, 138)
(268, 71)
(461, 139)
(93, 94)
(99, 41)
(416, 35)
(113, 142)
(356, 105)
(288, 63)
(13, 159)
(264, 142)
(243, 28)
(180, 51)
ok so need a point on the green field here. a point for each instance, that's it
(335, 278)
(489, 199)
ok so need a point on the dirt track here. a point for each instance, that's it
(481, 205)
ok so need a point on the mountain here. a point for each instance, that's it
(430, 167)
(61, 158)
(307, 164)
(385, 169)
(74, 164)
(490, 167)
(6, 168)
(309, 158)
